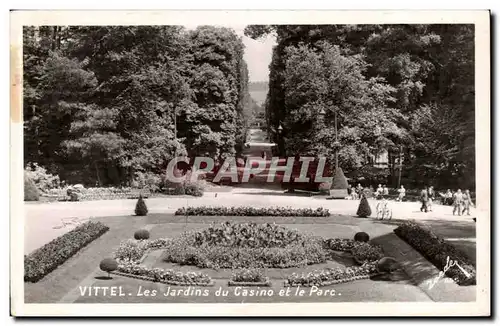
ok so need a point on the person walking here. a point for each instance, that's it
(457, 202)
(424, 198)
(448, 197)
(359, 189)
(467, 202)
(402, 193)
(379, 191)
(354, 194)
(431, 194)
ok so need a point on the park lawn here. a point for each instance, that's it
(82, 269)
(67, 276)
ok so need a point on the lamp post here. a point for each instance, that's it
(400, 164)
(175, 130)
(336, 142)
(280, 130)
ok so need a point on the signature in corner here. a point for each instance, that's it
(449, 264)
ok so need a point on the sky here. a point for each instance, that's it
(258, 53)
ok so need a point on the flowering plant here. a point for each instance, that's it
(248, 275)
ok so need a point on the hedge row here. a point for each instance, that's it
(438, 252)
(47, 258)
(252, 211)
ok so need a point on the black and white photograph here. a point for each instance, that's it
(259, 163)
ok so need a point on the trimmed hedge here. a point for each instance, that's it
(437, 251)
(47, 258)
(252, 211)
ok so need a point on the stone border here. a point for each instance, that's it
(146, 278)
(344, 280)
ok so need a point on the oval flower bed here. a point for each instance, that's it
(245, 245)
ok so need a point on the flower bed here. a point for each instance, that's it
(217, 257)
(131, 253)
(246, 245)
(47, 258)
(339, 244)
(332, 276)
(251, 235)
(438, 252)
(252, 211)
(89, 194)
(249, 277)
(364, 252)
(166, 276)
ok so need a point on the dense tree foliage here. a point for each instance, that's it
(407, 89)
(102, 102)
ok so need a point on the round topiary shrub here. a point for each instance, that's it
(108, 265)
(141, 234)
(140, 208)
(361, 236)
(387, 265)
(364, 209)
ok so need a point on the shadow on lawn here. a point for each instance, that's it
(103, 278)
(421, 269)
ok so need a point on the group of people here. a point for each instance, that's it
(461, 201)
(356, 192)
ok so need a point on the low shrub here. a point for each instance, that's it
(108, 265)
(364, 252)
(42, 180)
(141, 234)
(194, 188)
(140, 207)
(30, 190)
(339, 244)
(147, 180)
(130, 250)
(47, 258)
(249, 275)
(438, 252)
(362, 237)
(252, 211)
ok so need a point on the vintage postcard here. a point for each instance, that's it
(250, 163)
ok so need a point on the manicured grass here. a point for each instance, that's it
(85, 262)
(84, 265)
(56, 284)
